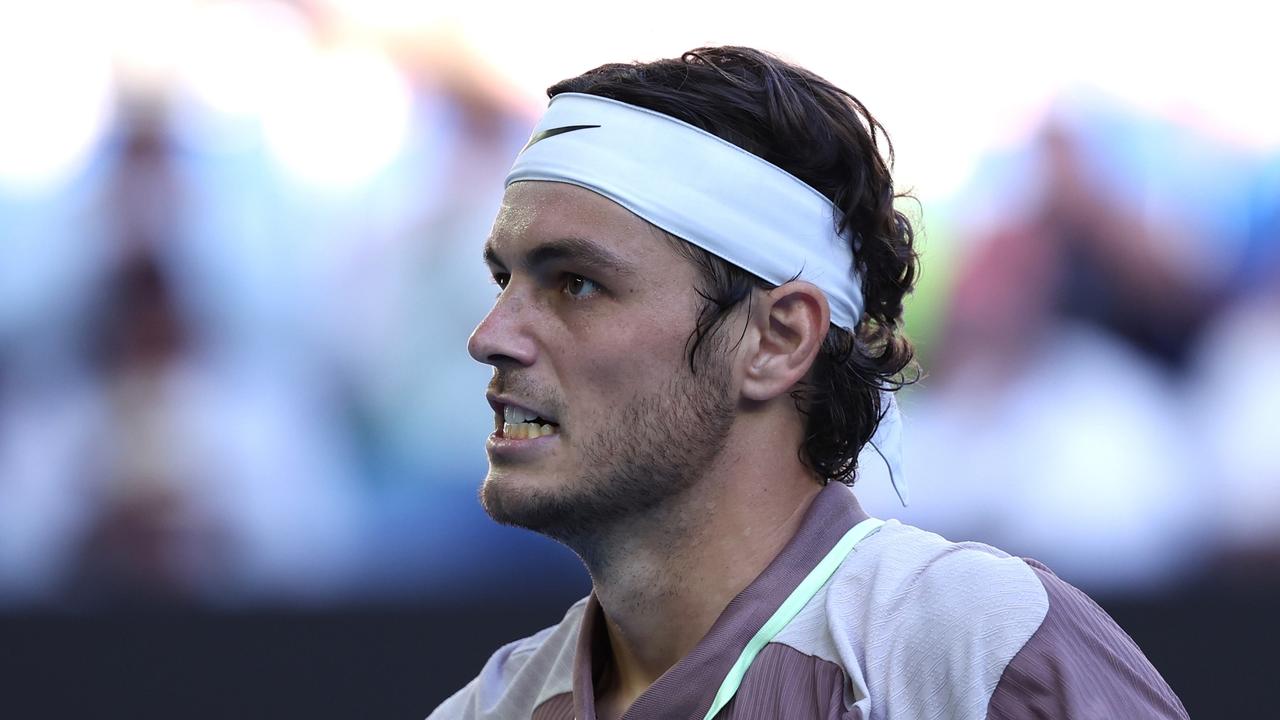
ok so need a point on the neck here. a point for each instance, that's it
(663, 579)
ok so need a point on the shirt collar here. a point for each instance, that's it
(688, 688)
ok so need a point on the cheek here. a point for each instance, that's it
(630, 351)
(635, 360)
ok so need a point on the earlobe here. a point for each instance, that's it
(790, 323)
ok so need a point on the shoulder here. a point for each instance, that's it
(946, 619)
(922, 627)
(521, 675)
(937, 629)
(1079, 663)
(922, 584)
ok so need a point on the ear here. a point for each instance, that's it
(789, 324)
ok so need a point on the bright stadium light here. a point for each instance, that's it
(341, 117)
(240, 53)
(56, 89)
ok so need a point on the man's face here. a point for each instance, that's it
(588, 336)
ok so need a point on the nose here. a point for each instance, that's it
(502, 338)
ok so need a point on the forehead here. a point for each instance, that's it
(534, 212)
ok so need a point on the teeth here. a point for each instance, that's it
(526, 430)
(515, 415)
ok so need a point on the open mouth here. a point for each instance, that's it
(521, 424)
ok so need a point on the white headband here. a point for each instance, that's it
(700, 188)
(713, 194)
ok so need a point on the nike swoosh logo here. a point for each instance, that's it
(552, 132)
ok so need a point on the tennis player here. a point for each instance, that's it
(698, 328)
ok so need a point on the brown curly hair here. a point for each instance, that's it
(827, 138)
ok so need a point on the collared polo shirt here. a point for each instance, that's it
(910, 626)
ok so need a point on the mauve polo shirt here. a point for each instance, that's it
(910, 626)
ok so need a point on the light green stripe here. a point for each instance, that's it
(790, 607)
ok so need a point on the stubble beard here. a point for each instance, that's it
(642, 461)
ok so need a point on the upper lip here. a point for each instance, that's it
(498, 403)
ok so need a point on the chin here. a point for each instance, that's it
(517, 499)
(505, 480)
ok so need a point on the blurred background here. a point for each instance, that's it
(240, 436)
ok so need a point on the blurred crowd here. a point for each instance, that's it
(1101, 389)
(232, 373)
(232, 366)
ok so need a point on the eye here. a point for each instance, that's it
(578, 287)
(501, 280)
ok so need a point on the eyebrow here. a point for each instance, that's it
(572, 249)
